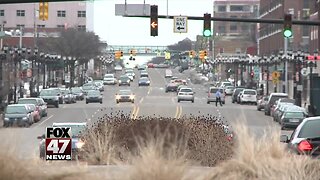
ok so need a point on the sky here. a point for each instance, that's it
(118, 30)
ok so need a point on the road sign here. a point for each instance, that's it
(275, 75)
(167, 56)
(304, 72)
(180, 24)
(275, 80)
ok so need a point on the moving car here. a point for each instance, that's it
(18, 114)
(77, 144)
(68, 97)
(144, 74)
(272, 99)
(125, 96)
(305, 139)
(124, 80)
(130, 71)
(93, 96)
(41, 106)
(142, 67)
(186, 94)
(118, 68)
(109, 79)
(248, 96)
(168, 73)
(130, 76)
(144, 81)
(171, 87)
(150, 65)
(50, 97)
(99, 85)
(88, 87)
(77, 91)
(212, 95)
(229, 90)
(225, 84)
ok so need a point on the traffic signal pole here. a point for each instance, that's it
(286, 63)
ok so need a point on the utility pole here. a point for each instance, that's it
(286, 64)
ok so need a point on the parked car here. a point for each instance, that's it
(109, 79)
(212, 95)
(59, 94)
(77, 144)
(125, 96)
(186, 94)
(235, 94)
(18, 114)
(41, 106)
(50, 96)
(78, 93)
(93, 96)
(144, 81)
(276, 106)
(272, 99)
(124, 80)
(225, 84)
(291, 118)
(168, 73)
(262, 102)
(34, 112)
(248, 96)
(305, 139)
(278, 112)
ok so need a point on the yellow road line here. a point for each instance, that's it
(180, 112)
(137, 112)
(177, 112)
(149, 90)
(133, 111)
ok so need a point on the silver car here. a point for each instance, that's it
(212, 95)
(186, 94)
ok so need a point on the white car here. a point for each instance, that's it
(109, 79)
(248, 96)
(130, 75)
(186, 94)
(229, 90)
(118, 68)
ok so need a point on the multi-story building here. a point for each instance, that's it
(235, 37)
(61, 15)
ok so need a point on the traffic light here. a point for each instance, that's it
(43, 11)
(205, 54)
(190, 54)
(121, 53)
(207, 25)
(131, 52)
(252, 74)
(154, 20)
(117, 54)
(201, 55)
(287, 31)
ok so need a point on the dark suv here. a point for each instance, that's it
(235, 93)
(50, 96)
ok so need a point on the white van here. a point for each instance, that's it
(168, 73)
(109, 79)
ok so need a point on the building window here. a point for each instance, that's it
(305, 13)
(21, 13)
(20, 26)
(245, 27)
(233, 27)
(236, 8)
(61, 13)
(222, 8)
(60, 26)
(82, 27)
(41, 26)
(82, 14)
(1, 12)
(222, 29)
(305, 30)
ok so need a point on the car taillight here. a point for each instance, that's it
(304, 146)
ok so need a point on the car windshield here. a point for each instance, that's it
(76, 130)
(76, 90)
(310, 129)
(108, 76)
(144, 79)
(16, 110)
(230, 87)
(186, 90)
(98, 83)
(250, 92)
(125, 92)
(274, 98)
(124, 78)
(87, 86)
(214, 90)
(93, 93)
(294, 115)
(27, 101)
(48, 93)
(286, 100)
(227, 83)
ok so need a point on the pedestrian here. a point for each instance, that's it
(218, 98)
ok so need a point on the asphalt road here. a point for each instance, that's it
(150, 101)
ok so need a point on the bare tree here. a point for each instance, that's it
(184, 45)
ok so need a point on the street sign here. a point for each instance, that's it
(180, 24)
(275, 80)
(299, 87)
(167, 56)
(275, 75)
(304, 72)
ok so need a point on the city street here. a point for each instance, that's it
(150, 101)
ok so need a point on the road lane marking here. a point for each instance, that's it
(85, 113)
(133, 111)
(44, 121)
(180, 112)
(172, 99)
(177, 112)
(149, 90)
(137, 112)
(141, 100)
